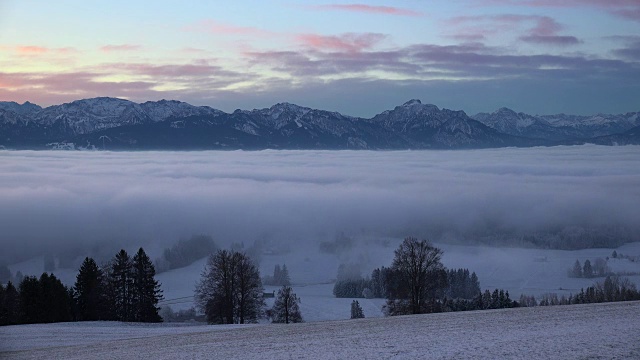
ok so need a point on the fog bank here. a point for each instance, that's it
(57, 200)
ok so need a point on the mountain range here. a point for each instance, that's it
(118, 124)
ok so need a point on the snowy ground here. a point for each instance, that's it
(610, 331)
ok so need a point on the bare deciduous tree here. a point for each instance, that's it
(419, 276)
(230, 290)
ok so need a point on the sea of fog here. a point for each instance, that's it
(55, 200)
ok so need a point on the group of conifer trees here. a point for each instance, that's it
(280, 277)
(459, 284)
(612, 289)
(124, 289)
(36, 300)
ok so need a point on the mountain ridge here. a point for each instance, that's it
(120, 124)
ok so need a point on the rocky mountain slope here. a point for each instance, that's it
(558, 127)
(119, 124)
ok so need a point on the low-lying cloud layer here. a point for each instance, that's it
(56, 200)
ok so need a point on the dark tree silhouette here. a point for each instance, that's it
(31, 307)
(121, 279)
(356, 310)
(420, 276)
(285, 309)
(248, 295)
(9, 306)
(230, 290)
(44, 300)
(462, 284)
(90, 292)
(146, 292)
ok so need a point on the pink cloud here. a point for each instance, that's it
(349, 42)
(545, 26)
(48, 88)
(371, 9)
(122, 47)
(50, 53)
(31, 50)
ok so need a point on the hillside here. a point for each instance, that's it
(607, 330)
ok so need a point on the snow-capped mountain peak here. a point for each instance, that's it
(24, 108)
(155, 124)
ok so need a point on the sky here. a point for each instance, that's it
(65, 201)
(536, 56)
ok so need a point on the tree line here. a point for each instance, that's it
(612, 289)
(280, 277)
(417, 283)
(124, 290)
(597, 268)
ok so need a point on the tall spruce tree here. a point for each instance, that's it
(285, 308)
(4, 313)
(121, 279)
(56, 299)
(277, 273)
(108, 285)
(146, 291)
(30, 301)
(285, 280)
(90, 292)
(356, 310)
(10, 311)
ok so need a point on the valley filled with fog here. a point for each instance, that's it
(74, 204)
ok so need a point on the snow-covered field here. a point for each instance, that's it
(593, 331)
